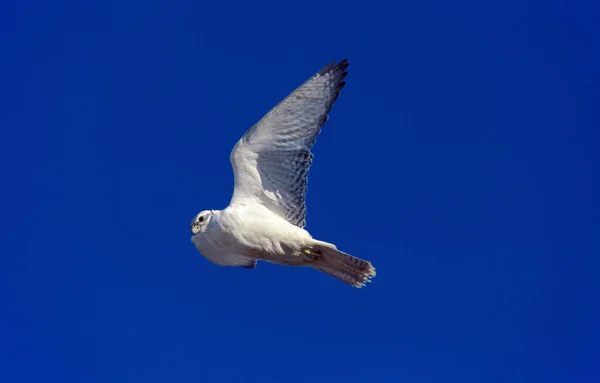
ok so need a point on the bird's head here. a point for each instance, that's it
(200, 222)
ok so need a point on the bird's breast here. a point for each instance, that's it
(255, 228)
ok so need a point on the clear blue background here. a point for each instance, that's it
(462, 159)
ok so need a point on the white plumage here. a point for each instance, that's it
(266, 216)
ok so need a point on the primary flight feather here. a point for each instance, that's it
(266, 216)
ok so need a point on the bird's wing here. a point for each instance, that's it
(233, 260)
(271, 161)
(222, 258)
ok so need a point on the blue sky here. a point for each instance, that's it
(461, 159)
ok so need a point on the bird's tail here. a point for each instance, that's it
(348, 269)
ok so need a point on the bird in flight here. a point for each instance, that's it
(266, 216)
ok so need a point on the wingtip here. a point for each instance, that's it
(335, 66)
(343, 65)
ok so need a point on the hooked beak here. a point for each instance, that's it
(194, 228)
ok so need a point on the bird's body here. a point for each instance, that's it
(266, 216)
(253, 231)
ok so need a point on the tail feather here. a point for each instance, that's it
(348, 269)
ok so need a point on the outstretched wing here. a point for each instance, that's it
(271, 161)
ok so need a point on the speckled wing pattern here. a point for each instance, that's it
(272, 160)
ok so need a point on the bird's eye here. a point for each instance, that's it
(200, 219)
